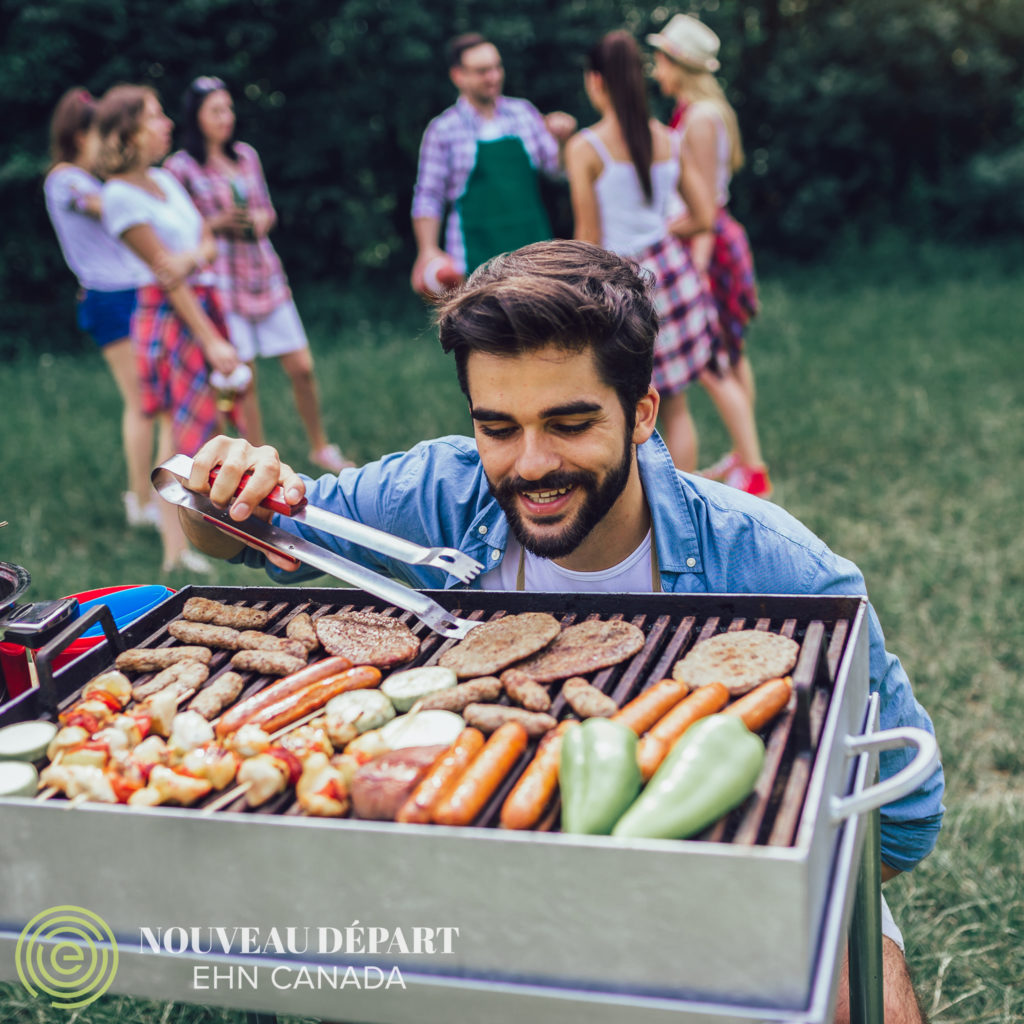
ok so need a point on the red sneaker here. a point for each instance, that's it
(720, 470)
(752, 479)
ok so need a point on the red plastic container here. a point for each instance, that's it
(13, 657)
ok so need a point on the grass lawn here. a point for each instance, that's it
(890, 407)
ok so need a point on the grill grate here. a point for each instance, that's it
(672, 624)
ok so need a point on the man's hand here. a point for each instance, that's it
(233, 458)
(560, 124)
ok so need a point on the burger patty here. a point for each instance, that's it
(584, 648)
(496, 645)
(367, 638)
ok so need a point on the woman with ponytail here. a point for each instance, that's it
(623, 171)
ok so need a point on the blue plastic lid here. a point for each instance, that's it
(126, 605)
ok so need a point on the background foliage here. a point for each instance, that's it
(856, 113)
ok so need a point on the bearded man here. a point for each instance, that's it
(566, 487)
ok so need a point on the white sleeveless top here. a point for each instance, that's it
(629, 223)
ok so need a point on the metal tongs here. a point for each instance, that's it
(168, 479)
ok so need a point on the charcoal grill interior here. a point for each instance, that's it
(671, 624)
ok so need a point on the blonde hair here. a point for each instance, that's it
(117, 122)
(702, 85)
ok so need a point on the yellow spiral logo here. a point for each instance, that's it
(67, 953)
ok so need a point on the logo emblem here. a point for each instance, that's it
(67, 953)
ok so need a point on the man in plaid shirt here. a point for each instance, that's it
(479, 162)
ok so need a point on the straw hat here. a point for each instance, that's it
(688, 42)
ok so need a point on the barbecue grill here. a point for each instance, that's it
(744, 923)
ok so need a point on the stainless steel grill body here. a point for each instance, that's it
(563, 928)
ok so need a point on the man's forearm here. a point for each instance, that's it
(427, 232)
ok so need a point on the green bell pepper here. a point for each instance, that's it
(598, 775)
(711, 769)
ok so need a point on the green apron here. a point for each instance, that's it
(500, 208)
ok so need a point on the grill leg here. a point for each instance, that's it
(866, 1005)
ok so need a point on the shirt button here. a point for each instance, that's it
(481, 529)
(691, 562)
(495, 555)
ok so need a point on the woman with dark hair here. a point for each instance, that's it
(225, 179)
(178, 328)
(108, 275)
(685, 60)
(622, 172)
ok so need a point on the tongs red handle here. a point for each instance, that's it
(275, 500)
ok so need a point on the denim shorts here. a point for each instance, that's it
(106, 316)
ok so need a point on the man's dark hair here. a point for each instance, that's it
(457, 45)
(571, 294)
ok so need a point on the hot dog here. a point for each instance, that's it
(655, 702)
(204, 633)
(269, 663)
(234, 719)
(532, 794)
(524, 691)
(653, 748)
(762, 704)
(442, 777)
(484, 775)
(586, 700)
(490, 717)
(312, 697)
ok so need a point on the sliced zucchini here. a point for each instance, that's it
(405, 688)
(423, 729)
(26, 741)
(18, 778)
(365, 709)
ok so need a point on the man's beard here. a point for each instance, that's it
(598, 499)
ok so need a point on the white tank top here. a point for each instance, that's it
(629, 223)
(633, 575)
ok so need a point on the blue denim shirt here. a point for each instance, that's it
(710, 539)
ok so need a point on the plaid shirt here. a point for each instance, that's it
(448, 153)
(250, 277)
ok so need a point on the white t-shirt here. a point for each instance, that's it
(633, 575)
(175, 219)
(101, 263)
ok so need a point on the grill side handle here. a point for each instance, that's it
(45, 655)
(903, 782)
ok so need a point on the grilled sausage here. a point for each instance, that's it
(441, 778)
(655, 702)
(491, 717)
(763, 703)
(234, 719)
(523, 690)
(314, 696)
(267, 663)
(253, 640)
(204, 633)
(586, 700)
(211, 701)
(455, 698)
(486, 772)
(190, 674)
(203, 609)
(151, 659)
(532, 794)
(301, 628)
(655, 745)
